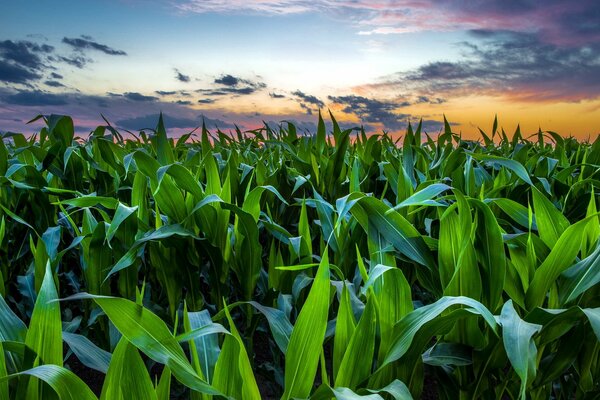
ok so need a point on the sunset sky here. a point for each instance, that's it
(376, 63)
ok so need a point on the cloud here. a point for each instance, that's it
(515, 65)
(181, 77)
(557, 21)
(184, 102)
(86, 43)
(22, 62)
(274, 95)
(135, 96)
(374, 111)
(54, 75)
(228, 80)
(165, 92)
(10, 73)
(425, 99)
(241, 6)
(24, 53)
(75, 60)
(30, 98)
(232, 85)
(53, 84)
(206, 101)
(305, 100)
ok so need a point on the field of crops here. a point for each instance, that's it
(277, 264)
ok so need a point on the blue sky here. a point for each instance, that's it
(377, 63)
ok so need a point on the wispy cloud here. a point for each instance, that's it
(556, 20)
(87, 43)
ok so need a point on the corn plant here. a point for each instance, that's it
(276, 264)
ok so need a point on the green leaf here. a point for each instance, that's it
(424, 197)
(123, 212)
(234, 357)
(127, 376)
(410, 325)
(148, 333)
(551, 223)
(358, 357)
(512, 165)
(87, 352)
(302, 357)
(517, 336)
(395, 228)
(560, 258)
(45, 328)
(344, 329)
(65, 383)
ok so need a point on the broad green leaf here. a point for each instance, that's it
(235, 358)
(512, 165)
(358, 357)
(302, 357)
(344, 329)
(424, 196)
(44, 335)
(550, 221)
(517, 336)
(127, 376)
(409, 326)
(395, 228)
(148, 333)
(87, 352)
(65, 383)
(560, 258)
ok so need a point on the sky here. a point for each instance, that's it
(378, 64)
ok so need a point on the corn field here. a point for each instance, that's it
(275, 264)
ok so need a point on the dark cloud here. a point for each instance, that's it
(518, 65)
(165, 92)
(24, 53)
(373, 111)
(11, 73)
(23, 61)
(181, 77)
(231, 85)
(86, 43)
(149, 122)
(276, 95)
(75, 60)
(54, 75)
(306, 100)
(553, 21)
(135, 96)
(228, 80)
(53, 84)
(206, 101)
(425, 99)
(35, 98)
(184, 102)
